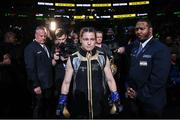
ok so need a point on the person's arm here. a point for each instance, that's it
(125, 49)
(64, 91)
(110, 79)
(115, 96)
(67, 78)
(31, 67)
(121, 50)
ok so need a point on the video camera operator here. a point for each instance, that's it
(63, 47)
(61, 50)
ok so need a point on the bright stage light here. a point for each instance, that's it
(53, 25)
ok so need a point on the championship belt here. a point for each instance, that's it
(113, 67)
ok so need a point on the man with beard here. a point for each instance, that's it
(148, 72)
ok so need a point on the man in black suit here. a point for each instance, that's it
(149, 69)
(39, 70)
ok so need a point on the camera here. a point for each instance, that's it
(65, 49)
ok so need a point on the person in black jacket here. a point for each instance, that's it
(86, 69)
(39, 70)
(101, 46)
(7, 81)
(148, 72)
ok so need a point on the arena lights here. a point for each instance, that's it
(79, 17)
(119, 4)
(40, 18)
(160, 14)
(53, 25)
(97, 17)
(176, 13)
(141, 14)
(139, 3)
(124, 16)
(65, 4)
(90, 17)
(102, 5)
(9, 14)
(45, 3)
(51, 9)
(105, 16)
(83, 5)
(66, 16)
(59, 16)
(71, 9)
(88, 9)
(22, 16)
(39, 15)
(93, 5)
(83, 17)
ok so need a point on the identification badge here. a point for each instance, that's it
(39, 52)
(147, 56)
(143, 63)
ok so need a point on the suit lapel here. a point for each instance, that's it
(41, 48)
(146, 47)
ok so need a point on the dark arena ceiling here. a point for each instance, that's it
(25, 15)
(56, 8)
(88, 10)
